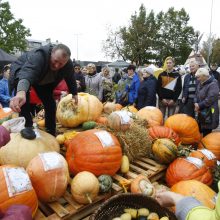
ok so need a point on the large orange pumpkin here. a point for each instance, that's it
(211, 142)
(23, 194)
(185, 126)
(20, 151)
(189, 168)
(195, 188)
(49, 175)
(69, 114)
(152, 114)
(157, 132)
(86, 152)
(207, 156)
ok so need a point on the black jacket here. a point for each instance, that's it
(80, 77)
(34, 65)
(147, 92)
(163, 79)
(186, 85)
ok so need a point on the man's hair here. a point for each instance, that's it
(131, 67)
(5, 68)
(64, 48)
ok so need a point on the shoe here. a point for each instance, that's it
(28, 133)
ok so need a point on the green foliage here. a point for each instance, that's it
(12, 32)
(152, 37)
(215, 57)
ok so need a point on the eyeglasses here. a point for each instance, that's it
(76, 68)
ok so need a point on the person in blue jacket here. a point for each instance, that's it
(4, 90)
(147, 90)
(133, 83)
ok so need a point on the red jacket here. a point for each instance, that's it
(34, 99)
(61, 87)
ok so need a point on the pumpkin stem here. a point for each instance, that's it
(88, 197)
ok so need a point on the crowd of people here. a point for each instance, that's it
(45, 75)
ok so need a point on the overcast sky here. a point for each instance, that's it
(88, 19)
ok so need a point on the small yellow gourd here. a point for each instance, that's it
(124, 164)
(60, 138)
(153, 216)
(126, 216)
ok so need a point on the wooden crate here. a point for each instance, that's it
(67, 208)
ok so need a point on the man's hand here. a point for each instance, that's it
(165, 102)
(75, 98)
(183, 100)
(171, 103)
(196, 107)
(17, 101)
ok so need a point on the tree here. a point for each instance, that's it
(12, 32)
(175, 38)
(215, 56)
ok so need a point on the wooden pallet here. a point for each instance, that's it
(68, 208)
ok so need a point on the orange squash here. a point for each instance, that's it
(195, 188)
(157, 132)
(152, 114)
(118, 107)
(207, 156)
(130, 108)
(141, 184)
(54, 170)
(26, 196)
(86, 152)
(185, 126)
(211, 142)
(109, 107)
(188, 169)
(102, 120)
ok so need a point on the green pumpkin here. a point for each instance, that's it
(88, 125)
(105, 183)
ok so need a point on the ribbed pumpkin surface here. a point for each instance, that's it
(181, 169)
(86, 153)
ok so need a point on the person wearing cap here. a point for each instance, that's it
(42, 68)
(93, 82)
(4, 90)
(147, 90)
(206, 101)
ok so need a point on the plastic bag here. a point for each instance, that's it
(14, 125)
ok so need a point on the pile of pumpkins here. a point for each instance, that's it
(94, 155)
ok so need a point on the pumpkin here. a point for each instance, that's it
(102, 120)
(60, 138)
(185, 126)
(164, 150)
(141, 184)
(4, 136)
(211, 142)
(88, 125)
(130, 108)
(49, 175)
(118, 107)
(152, 115)
(84, 187)
(189, 168)
(124, 164)
(24, 195)
(20, 151)
(105, 183)
(69, 114)
(195, 188)
(41, 123)
(157, 132)
(86, 152)
(119, 121)
(5, 114)
(207, 156)
(109, 107)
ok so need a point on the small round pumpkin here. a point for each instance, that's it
(152, 115)
(86, 152)
(102, 120)
(118, 107)
(105, 183)
(195, 188)
(185, 126)
(189, 168)
(20, 151)
(119, 121)
(164, 150)
(41, 123)
(207, 156)
(27, 196)
(60, 138)
(85, 187)
(211, 142)
(130, 108)
(54, 170)
(109, 107)
(89, 108)
(141, 184)
(157, 132)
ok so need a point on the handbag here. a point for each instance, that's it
(205, 116)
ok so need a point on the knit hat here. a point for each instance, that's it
(148, 70)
